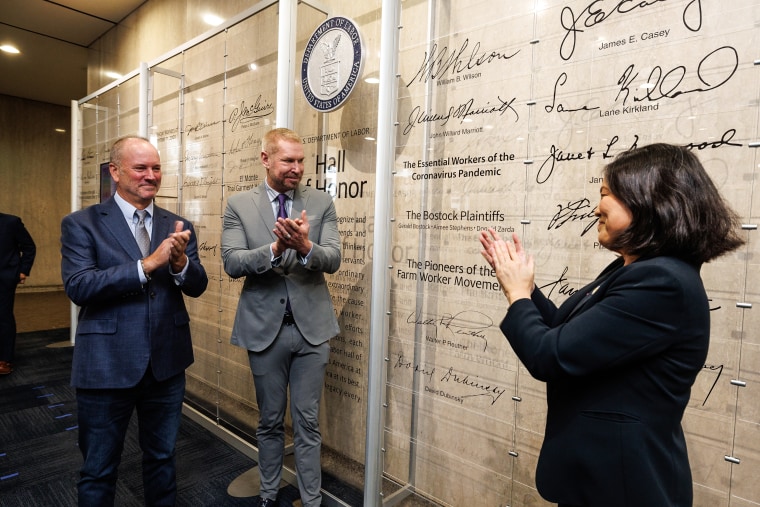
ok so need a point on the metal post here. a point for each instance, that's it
(286, 57)
(377, 370)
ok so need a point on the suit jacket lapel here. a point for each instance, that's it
(260, 200)
(585, 296)
(162, 227)
(300, 197)
(116, 225)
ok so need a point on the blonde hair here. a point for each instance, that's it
(270, 141)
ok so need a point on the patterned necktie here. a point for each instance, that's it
(282, 212)
(141, 233)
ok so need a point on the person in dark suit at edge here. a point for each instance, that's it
(17, 252)
(285, 316)
(619, 356)
(132, 342)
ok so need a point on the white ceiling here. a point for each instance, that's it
(53, 37)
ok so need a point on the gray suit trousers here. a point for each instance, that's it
(293, 361)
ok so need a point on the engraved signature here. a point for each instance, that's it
(402, 362)
(437, 63)
(595, 13)
(461, 112)
(560, 108)
(200, 126)
(493, 391)
(711, 367)
(244, 144)
(206, 247)
(557, 155)
(475, 385)
(573, 212)
(466, 324)
(661, 85)
(561, 282)
(244, 115)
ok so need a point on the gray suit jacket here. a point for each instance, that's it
(246, 239)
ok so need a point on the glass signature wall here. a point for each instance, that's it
(506, 112)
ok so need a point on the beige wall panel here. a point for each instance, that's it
(709, 438)
(737, 502)
(253, 41)
(706, 497)
(527, 446)
(205, 311)
(748, 409)
(153, 30)
(744, 483)
(165, 129)
(492, 487)
(235, 379)
(751, 316)
(36, 180)
(525, 494)
(530, 410)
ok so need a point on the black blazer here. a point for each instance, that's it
(17, 250)
(619, 359)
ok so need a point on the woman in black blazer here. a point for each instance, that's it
(619, 357)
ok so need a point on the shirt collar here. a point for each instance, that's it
(272, 193)
(127, 209)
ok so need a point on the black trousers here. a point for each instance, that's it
(7, 322)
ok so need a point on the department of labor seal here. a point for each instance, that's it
(332, 63)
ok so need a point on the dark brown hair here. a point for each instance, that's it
(677, 210)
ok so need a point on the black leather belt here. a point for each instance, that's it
(287, 319)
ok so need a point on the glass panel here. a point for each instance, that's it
(340, 160)
(104, 118)
(506, 117)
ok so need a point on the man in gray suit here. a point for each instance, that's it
(128, 264)
(285, 315)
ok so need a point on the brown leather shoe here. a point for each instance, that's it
(5, 367)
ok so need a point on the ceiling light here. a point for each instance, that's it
(9, 49)
(212, 19)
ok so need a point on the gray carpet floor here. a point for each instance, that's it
(39, 457)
